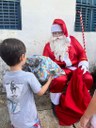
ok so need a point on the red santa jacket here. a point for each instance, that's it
(77, 55)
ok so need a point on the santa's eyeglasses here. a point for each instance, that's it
(57, 34)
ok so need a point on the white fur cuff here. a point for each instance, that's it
(85, 63)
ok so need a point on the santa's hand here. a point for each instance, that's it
(84, 69)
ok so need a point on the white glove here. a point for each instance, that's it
(84, 69)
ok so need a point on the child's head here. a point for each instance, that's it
(11, 50)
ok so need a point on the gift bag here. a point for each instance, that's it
(42, 67)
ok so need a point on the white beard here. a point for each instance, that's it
(59, 46)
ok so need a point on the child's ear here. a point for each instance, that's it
(22, 57)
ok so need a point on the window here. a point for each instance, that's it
(88, 10)
(10, 14)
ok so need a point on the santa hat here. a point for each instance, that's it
(60, 26)
(56, 28)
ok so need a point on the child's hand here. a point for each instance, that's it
(50, 78)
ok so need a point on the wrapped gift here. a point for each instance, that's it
(42, 67)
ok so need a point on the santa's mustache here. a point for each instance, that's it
(58, 38)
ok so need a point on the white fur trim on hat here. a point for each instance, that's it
(56, 28)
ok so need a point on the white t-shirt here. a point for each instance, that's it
(20, 86)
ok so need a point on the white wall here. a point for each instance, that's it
(37, 17)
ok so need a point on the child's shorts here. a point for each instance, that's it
(37, 125)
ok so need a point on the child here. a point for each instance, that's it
(88, 120)
(20, 85)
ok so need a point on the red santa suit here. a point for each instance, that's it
(76, 58)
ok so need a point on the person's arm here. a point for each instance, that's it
(79, 49)
(45, 87)
(35, 85)
(82, 57)
(90, 111)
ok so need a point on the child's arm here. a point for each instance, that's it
(45, 87)
(90, 111)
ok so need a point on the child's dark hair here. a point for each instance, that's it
(11, 50)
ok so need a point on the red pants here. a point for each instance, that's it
(58, 84)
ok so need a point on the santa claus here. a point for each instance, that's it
(67, 52)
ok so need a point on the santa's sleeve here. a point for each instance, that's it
(83, 61)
